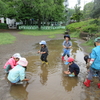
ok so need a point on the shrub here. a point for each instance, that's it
(3, 26)
(90, 28)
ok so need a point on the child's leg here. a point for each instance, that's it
(42, 57)
(99, 79)
(45, 57)
(8, 67)
(89, 78)
(91, 73)
(64, 52)
(68, 52)
(17, 80)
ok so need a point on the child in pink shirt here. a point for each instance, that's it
(12, 62)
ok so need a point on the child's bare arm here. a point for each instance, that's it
(25, 79)
(67, 72)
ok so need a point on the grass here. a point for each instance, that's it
(89, 45)
(75, 35)
(6, 38)
(52, 36)
(51, 33)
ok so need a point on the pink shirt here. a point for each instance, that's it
(11, 62)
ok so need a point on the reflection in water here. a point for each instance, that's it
(18, 92)
(69, 83)
(47, 82)
(44, 74)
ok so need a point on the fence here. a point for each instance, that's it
(42, 27)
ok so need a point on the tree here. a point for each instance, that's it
(96, 9)
(77, 15)
(88, 9)
(38, 10)
(51, 10)
(2, 8)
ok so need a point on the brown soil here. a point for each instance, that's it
(25, 45)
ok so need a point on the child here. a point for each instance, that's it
(12, 62)
(94, 63)
(87, 60)
(43, 51)
(73, 68)
(18, 73)
(67, 44)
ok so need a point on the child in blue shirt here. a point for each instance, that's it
(94, 63)
(67, 44)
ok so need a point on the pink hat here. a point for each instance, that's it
(22, 62)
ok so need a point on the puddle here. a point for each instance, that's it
(47, 82)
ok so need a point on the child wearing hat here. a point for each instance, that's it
(94, 63)
(43, 51)
(12, 62)
(67, 44)
(18, 73)
(73, 68)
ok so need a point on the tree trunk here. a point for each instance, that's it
(5, 20)
(39, 24)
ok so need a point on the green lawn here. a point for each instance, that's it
(6, 38)
(51, 33)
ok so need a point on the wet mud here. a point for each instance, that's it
(48, 82)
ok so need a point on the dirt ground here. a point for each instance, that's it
(24, 45)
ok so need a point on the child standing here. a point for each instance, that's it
(43, 51)
(94, 63)
(12, 62)
(67, 44)
(73, 68)
(18, 73)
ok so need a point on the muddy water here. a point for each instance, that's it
(47, 82)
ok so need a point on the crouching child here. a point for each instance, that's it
(17, 74)
(73, 68)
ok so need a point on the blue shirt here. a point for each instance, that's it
(74, 68)
(96, 56)
(17, 71)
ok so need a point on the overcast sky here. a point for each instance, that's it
(73, 2)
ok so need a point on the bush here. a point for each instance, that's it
(90, 28)
(75, 26)
(3, 26)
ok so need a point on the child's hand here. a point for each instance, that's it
(38, 51)
(67, 72)
(67, 47)
(64, 47)
(26, 80)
